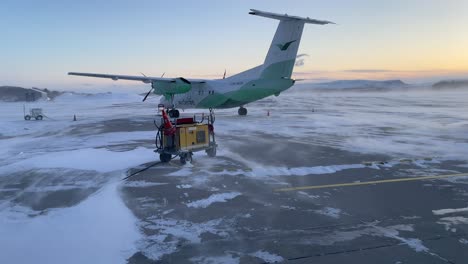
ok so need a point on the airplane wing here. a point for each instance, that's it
(145, 79)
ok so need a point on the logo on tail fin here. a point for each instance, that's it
(285, 46)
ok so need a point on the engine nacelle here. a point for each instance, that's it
(177, 86)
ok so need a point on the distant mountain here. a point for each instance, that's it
(451, 84)
(362, 85)
(20, 94)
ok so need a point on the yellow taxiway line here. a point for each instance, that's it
(369, 182)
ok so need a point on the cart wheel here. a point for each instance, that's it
(164, 157)
(174, 113)
(183, 161)
(211, 152)
(27, 117)
(39, 117)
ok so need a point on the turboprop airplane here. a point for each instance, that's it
(270, 78)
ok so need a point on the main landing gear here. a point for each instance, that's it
(242, 111)
(174, 113)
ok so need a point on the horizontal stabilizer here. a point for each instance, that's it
(287, 17)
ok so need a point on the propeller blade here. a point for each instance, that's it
(146, 96)
(224, 75)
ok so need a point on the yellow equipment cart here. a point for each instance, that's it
(184, 135)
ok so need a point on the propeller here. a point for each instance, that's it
(149, 92)
(146, 96)
(145, 81)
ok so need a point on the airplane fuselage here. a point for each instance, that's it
(227, 93)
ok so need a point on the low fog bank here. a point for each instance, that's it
(20, 94)
(382, 86)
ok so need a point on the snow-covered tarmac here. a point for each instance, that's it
(62, 198)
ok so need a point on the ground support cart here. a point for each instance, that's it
(182, 136)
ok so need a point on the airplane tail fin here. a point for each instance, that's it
(279, 62)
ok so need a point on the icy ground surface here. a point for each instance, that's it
(61, 198)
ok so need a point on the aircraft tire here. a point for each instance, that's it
(242, 111)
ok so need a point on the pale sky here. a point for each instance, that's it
(41, 41)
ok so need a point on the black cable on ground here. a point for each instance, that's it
(142, 170)
(145, 168)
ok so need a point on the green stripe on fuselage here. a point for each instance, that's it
(249, 92)
(273, 80)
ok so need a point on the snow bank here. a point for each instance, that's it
(101, 229)
(101, 160)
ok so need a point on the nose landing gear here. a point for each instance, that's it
(242, 111)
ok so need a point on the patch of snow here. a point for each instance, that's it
(409, 228)
(142, 184)
(184, 186)
(16, 212)
(414, 243)
(168, 211)
(448, 222)
(101, 228)
(184, 229)
(214, 198)
(288, 207)
(449, 211)
(330, 211)
(226, 259)
(411, 217)
(185, 171)
(154, 247)
(309, 195)
(247, 215)
(100, 160)
(267, 256)
(112, 138)
(389, 231)
(258, 171)
(393, 232)
(264, 171)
